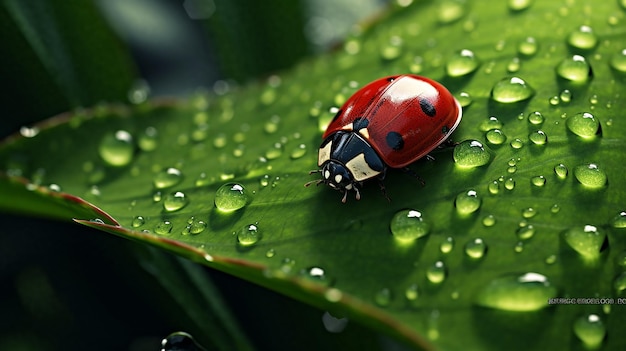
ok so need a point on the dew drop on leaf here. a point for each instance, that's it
(137, 222)
(519, 5)
(467, 202)
(528, 46)
(180, 341)
(575, 69)
(117, 149)
(470, 154)
(523, 293)
(148, 140)
(437, 272)
(490, 123)
(618, 61)
(525, 232)
(495, 137)
(587, 240)
(590, 330)
(167, 178)
(230, 197)
(536, 118)
(538, 137)
(175, 201)
(511, 90)
(298, 151)
(446, 245)
(462, 63)
(583, 124)
(408, 225)
(561, 171)
(476, 248)
(383, 297)
(163, 227)
(590, 175)
(538, 181)
(583, 38)
(489, 220)
(248, 235)
(619, 221)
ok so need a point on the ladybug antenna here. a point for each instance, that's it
(317, 182)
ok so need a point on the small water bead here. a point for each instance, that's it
(437, 272)
(157, 196)
(148, 140)
(471, 154)
(565, 96)
(220, 141)
(583, 38)
(139, 92)
(519, 247)
(495, 137)
(590, 330)
(538, 137)
(555, 208)
(514, 65)
(590, 175)
(509, 184)
(554, 100)
(462, 63)
(517, 143)
(231, 197)
(274, 152)
(519, 5)
(538, 181)
(265, 180)
(489, 220)
(467, 202)
(446, 245)
(167, 178)
(618, 61)
(583, 124)
(476, 248)
(248, 235)
(175, 201)
(522, 293)
(408, 225)
(317, 274)
(550, 259)
(511, 90)
(529, 212)
(464, 98)
(528, 46)
(526, 232)
(383, 297)
(298, 152)
(451, 11)
(270, 253)
(490, 123)
(411, 293)
(117, 149)
(561, 171)
(494, 187)
(536, 118)
(511, 169)
(619, 284)
(194, 226)
(393, 49)
(575, 69)
(587, 240)
(163, 227)
(619, 221)
(138, 221)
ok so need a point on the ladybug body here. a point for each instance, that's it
(389, 123)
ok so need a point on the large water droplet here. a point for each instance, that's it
(538, 137)
(583, 38)
(523, 293)
(587, 240)
(510, 90)
(536, 118)
(175, 201)
(476, 248)
(437, 272)
(248, 235)
(470, 154)
(117, 149)
(590, 175)
(583, 124)
(590, 330)
(408, 225)
(163, 227)
(618, 61)
(575, 69)
(561, 171)
(495, 136)
(528, 46)
(446, 245)
(467, 202)
(519, 5)
(462, 63)
(167, 178)
(230, 197)
(138, 221)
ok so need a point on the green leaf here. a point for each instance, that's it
(545, 232)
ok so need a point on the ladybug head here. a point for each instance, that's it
(335, 175)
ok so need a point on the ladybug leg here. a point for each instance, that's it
(383, 190)
(414, 175)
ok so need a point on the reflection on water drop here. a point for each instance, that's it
(248, 235)
(511, 90)
(230, 197)
(522, 293)
(117, 149)
(408, 225)
(590, 330)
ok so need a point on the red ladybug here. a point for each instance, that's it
(391, 122)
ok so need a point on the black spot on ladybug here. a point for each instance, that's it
(360, 123)
(427, 108)
(338, 114)
(445, 130)
(395, 141)
(391, 79)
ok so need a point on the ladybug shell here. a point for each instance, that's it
(403, 117)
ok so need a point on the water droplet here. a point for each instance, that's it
(583, 38)
(529, 212)
(619, 284)
(138, 221)
(117, 149)
(494, 187)
(526, 232)
(565, 96)
(575, 69)
(583, 124)
(451, 10)
(334, 324)
(590, 175)
(523, 293)
(383, 297)
(164, 227)
(495, 137)
(619, 221)
(180, 341)
(175, 201)
(538, 181)
(554, 100)
(220, 141)
(528, 46)
(167, 178)
(436, 273)
(536, 118)
(618, 61)
(519, 5)
(590, 330)
(489, 220)
(509, 184)
(550, 259)
(490, 123)
(148, 140)
(510, 90)
(392, 49)
(139, 92)
(408, 225)
(514, 65)
(411, 293)
(464, 99)
(538, 137)
(462, 63)
(561, 171)
(476, 248)
(274, 152)
(298, 151)
(586, 240)
(555, 208)
(248, 235)
(470, 154)
(194, 226)
(271, 126)
(467, 202)
(446, 245)
(519, 247)
(230, 197)
(317, 274)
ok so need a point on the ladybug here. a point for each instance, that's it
(389, 123)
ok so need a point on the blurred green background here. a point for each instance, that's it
(69, 288)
